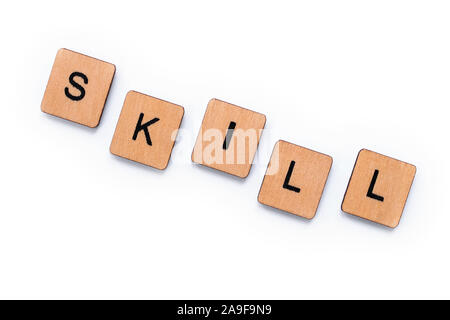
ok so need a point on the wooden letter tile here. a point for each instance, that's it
(146, 130)
(295, 179)
(228, 138)
(378, 188)
(78, 88)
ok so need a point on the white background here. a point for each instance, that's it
(334, 76)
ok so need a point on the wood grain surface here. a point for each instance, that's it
(389, 190)
(131, 143)
(307, 171)
(78, 87)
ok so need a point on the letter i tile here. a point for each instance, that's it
(228, 138)
(146, 130)
(295, 179)
(378, 188)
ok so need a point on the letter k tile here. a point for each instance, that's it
(146, 130)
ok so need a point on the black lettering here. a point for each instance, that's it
(370, 193)
(77, 86)
(144, 127)
(230, 130)
(286, 184)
